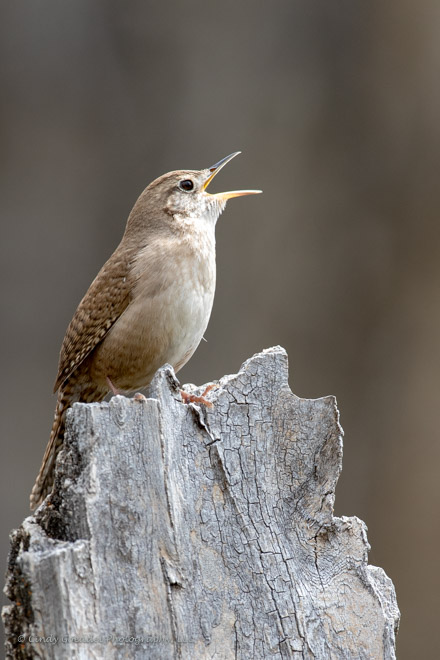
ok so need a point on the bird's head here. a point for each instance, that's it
(182, 194)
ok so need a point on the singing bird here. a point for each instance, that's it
(149, 304)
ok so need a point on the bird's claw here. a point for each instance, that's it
(193, 398)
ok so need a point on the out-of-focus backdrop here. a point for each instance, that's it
(336, 108)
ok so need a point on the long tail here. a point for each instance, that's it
(45, 478)
(44, 481)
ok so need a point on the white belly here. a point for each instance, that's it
(162, 324)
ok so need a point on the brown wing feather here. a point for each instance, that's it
(106, 299)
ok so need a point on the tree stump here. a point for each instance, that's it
(182, 531)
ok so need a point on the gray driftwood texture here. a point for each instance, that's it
(177, 531)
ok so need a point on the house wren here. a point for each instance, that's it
(149, 304)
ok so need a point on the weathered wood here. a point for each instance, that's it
(181, 532)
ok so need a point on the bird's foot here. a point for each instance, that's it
(139, 397)
(193, 398)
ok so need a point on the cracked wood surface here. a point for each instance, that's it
(176, 531)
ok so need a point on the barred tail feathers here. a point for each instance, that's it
(45, 478)
(69, 394)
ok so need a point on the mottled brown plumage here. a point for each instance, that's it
(149, 304)
(103, 304)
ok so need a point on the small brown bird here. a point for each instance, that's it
(149, 304)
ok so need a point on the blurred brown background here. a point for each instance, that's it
(336, 108)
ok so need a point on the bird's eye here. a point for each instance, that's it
(186, 185)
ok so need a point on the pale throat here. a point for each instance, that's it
(198, 231)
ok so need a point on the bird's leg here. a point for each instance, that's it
(193, 398)
(113, 389)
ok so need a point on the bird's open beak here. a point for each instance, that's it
(215, 169)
